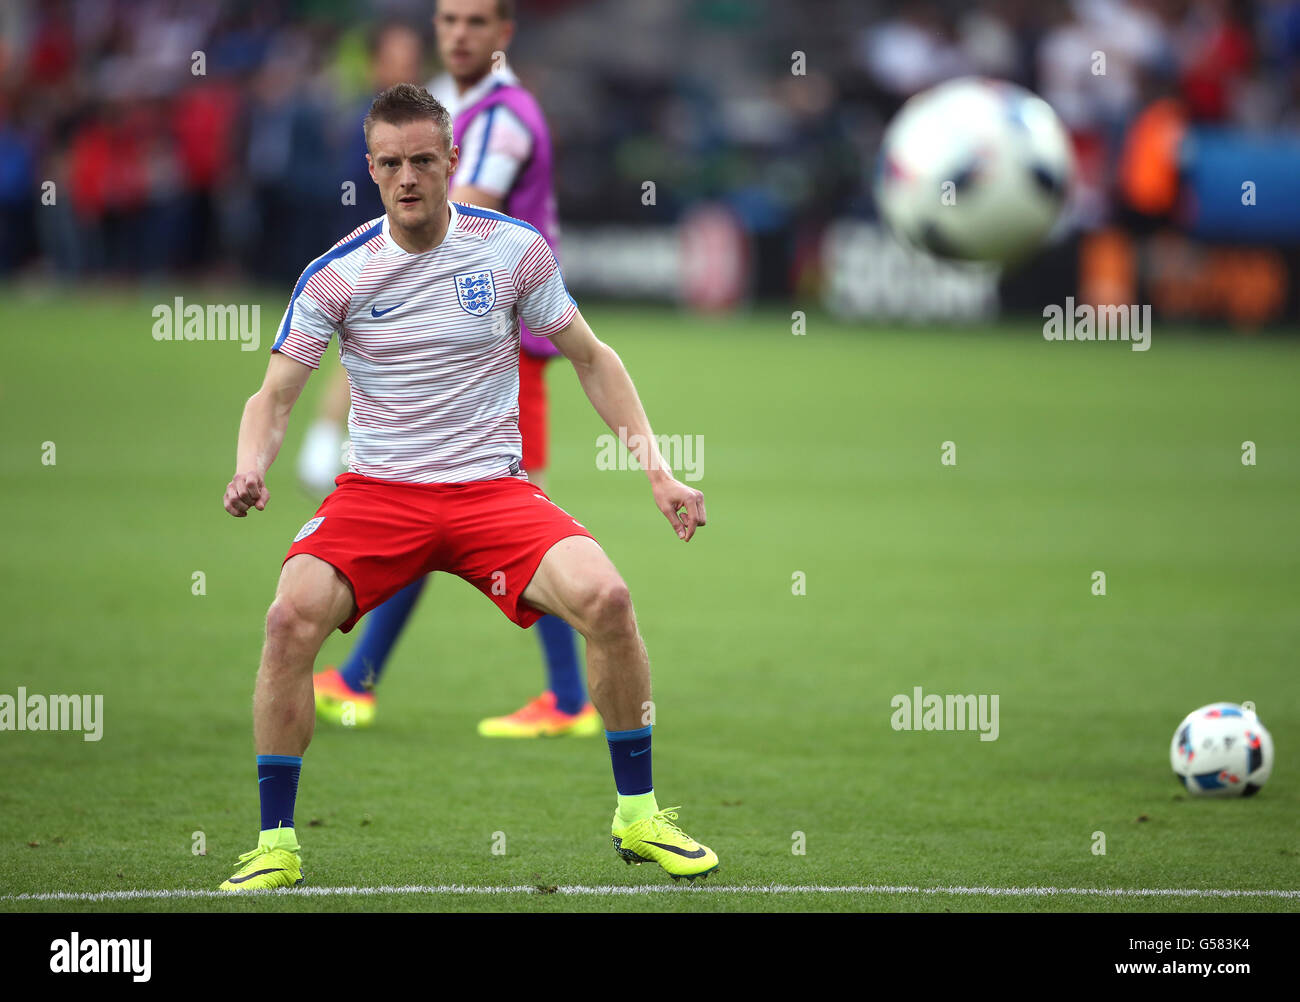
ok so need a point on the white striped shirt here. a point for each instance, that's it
(430, 342)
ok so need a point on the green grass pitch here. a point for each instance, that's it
(821, 456)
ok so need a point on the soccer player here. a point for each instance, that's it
(427, 302)
(505, 165)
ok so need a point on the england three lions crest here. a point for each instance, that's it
(476, 292)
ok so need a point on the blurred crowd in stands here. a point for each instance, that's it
(219, 136)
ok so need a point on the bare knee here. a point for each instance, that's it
(311, 600)
(291, 622)
(607, 608)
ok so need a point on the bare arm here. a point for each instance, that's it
(261, 432)
(608, 386)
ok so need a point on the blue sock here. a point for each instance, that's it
(630, 753)
(383, 627)
(277, 786)
(560, 645)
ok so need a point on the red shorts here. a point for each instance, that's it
(383, 534)
(532, 411)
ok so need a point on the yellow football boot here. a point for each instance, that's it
(657, 840)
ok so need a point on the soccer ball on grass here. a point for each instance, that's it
(1221, 750)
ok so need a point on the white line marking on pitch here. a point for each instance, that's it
(618, 891)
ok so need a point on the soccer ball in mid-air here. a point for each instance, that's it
(975, 169)
(1222, 750)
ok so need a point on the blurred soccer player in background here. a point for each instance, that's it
(505, 164)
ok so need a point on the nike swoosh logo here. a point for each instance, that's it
(257, 873)
(264, 779)
(634, 754)
(680, 852)
(376, 313)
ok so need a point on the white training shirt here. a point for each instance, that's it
(497, 144)
(430, 342)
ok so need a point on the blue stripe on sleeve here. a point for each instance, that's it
(481, 213)
(482, 147)
(465, 209)
(341, 250)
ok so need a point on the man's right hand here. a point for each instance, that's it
(247, 490)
